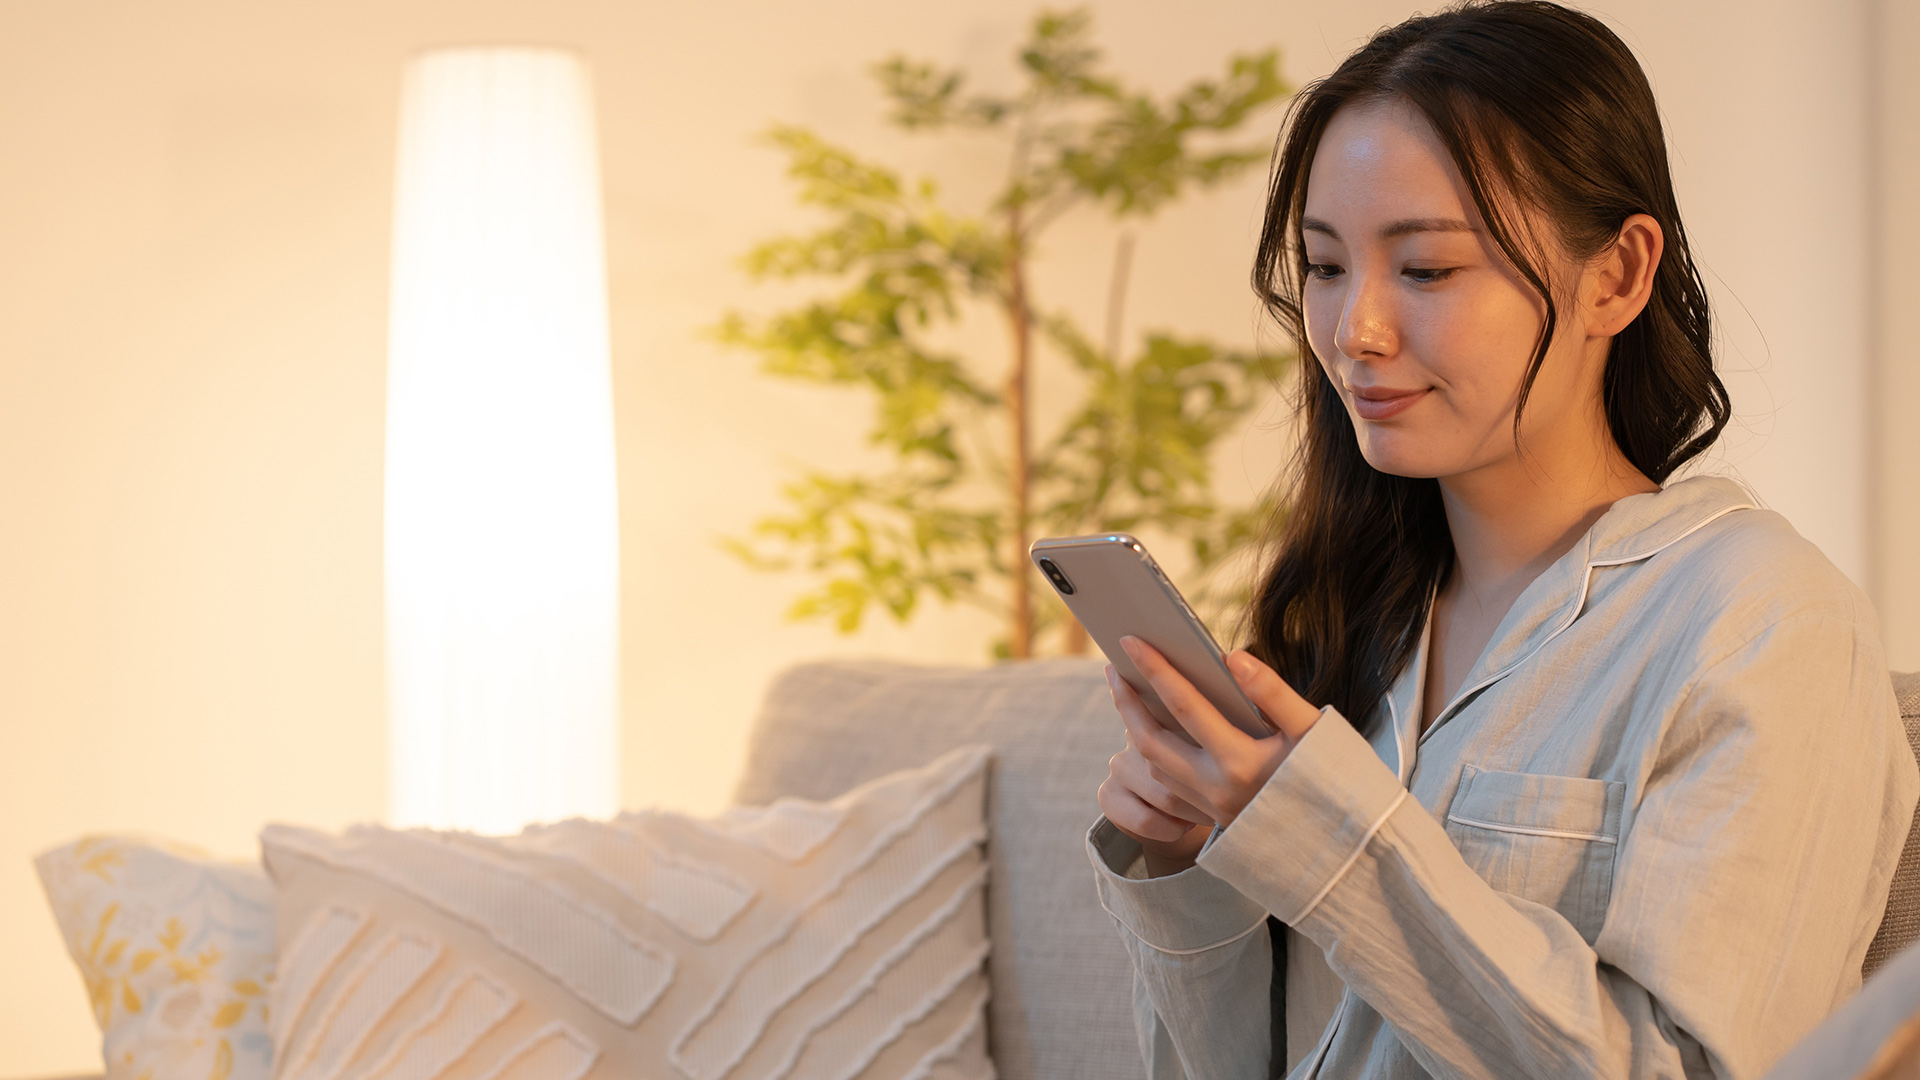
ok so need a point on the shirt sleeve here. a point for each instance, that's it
(1746, 882)
(1202, 965)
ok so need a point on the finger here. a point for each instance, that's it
(1291, 713)
(1192, 796)
(1154, 708)
(1190, 707)
(1191, 793)
(1133, 707)
(1184, 774)
(1133, 772)
(1136, 818)
(1155, 743)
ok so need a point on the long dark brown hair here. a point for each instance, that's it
(1542, 108)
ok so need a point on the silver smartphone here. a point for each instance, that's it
(1115, 588)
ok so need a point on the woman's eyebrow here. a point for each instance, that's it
(1420, 225)
(1403, 227)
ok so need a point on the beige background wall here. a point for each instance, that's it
(1894, 231)
(193, 229)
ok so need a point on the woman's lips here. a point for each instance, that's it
(1384, 404)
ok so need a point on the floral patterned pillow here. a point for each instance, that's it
(177, 951)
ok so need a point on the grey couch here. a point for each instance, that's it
(1061, 985)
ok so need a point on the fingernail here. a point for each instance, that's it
(1131, 644)
(1111, 674)
(1243, 664)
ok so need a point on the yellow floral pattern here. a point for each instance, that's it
(176, 951)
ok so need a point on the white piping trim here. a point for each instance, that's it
(1372, 830)
(1409, 748)
(1586, 580)
(1177, 952)
(1399, 751)
(1691, 529)
(1598, 838)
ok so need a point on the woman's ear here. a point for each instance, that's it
(1620, 279)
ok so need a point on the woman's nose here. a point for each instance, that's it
(1366, 324)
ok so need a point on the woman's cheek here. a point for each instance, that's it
(1484, 351)
(1321, 323)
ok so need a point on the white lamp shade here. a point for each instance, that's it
(502, 548)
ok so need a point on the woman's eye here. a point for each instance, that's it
(1323, 271)
(1427, 275)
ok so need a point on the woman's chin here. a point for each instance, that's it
(1395, 454)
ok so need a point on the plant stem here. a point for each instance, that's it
(1117, 295)
(1020, 633)
(1076, 640)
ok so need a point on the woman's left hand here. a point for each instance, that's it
(1228, 768)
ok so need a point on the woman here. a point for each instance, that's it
(1575, 774)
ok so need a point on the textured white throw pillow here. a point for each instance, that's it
(817, 941)
(176, 950)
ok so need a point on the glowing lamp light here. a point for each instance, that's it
(502, 546)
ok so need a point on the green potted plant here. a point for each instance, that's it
(971, 481)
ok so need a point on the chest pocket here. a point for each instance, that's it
(1548, 839)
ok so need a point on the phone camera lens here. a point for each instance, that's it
(1054, 574)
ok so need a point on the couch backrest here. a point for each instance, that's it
(1061, 984)
(1901, 924)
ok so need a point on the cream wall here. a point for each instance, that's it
(1894, 231)
(193, 229)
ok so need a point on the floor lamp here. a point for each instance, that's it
(501, 529)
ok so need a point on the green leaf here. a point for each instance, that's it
(926, 98)
(874, 541)
(1138, 448)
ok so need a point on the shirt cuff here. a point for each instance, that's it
(1188, 912)
(1324, 803)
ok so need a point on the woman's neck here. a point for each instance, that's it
(1511, 520)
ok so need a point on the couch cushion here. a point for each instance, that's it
(176, 950)
(1061, 985)
(803, 940)
(1901, 925)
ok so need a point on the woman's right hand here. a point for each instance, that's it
(1168, 828)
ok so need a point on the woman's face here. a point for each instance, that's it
(1418, 319)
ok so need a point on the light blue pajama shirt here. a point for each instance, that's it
(1651, 837)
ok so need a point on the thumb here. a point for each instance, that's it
(1291, 713)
